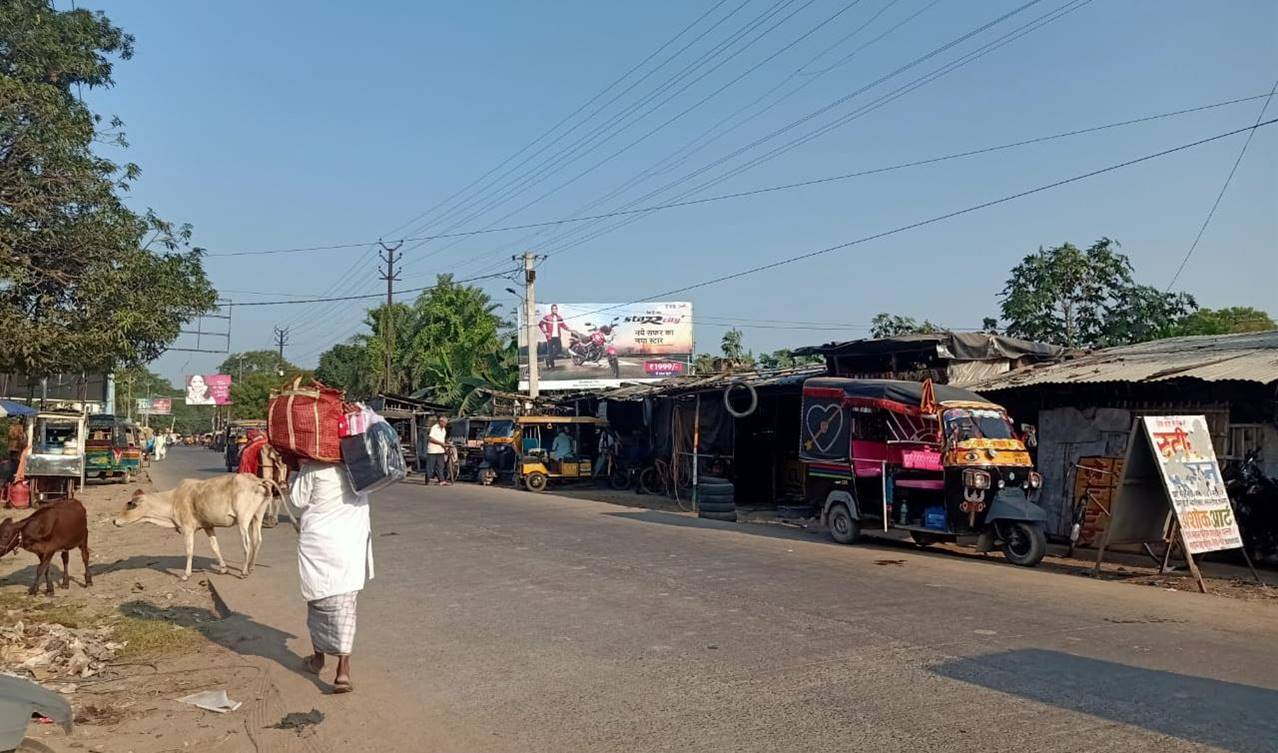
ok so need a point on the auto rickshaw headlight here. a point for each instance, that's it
(974, 479)
(1035, 480)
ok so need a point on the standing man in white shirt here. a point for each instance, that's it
(334, 559)
(436, 452)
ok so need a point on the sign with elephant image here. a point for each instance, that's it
(592, 345)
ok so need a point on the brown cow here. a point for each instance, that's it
(235, 499)
(59, 527)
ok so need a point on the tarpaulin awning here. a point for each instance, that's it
(910, 393)
(956, 346)
(11, 408)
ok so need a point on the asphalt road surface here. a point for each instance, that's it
(504, 620)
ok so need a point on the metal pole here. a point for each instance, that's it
(530, 323)
(389, 256)
(696, 454)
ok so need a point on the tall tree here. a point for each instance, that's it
(1086, 298)
(85, 283)
(893, 325)
(346, 367)
(254, 362)
(1226, 321)
(786, 359)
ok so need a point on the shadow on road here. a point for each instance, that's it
(231, 630)
(1211, 712)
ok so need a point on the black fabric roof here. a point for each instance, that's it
(957, 346)
(895, 390)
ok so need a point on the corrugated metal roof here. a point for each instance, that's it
(1249, 357)
(678, 385)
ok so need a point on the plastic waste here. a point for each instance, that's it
(374, 459)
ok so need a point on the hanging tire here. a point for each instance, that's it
(727, 399)
(796, 512)
(843, 527)
(1024, 544)
(535, 481)
(730, 517)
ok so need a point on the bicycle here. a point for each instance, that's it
(659, 478)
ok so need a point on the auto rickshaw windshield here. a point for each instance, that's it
(969, 423)
(501, 430)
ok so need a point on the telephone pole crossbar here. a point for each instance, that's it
(390, 257)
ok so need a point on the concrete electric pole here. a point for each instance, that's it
(530, 324)
(391, 258)
(281, 339)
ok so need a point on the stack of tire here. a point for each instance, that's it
(716, 499)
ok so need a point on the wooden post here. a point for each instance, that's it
(696, 453)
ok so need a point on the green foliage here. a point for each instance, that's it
(892, 325)
(85, 283)
(345, 366)
(732, 347)
(785, 359)
(447, 345)
(138, 381)
(1086, 298)
(255, 361)
(1226, 321)
(250, 395)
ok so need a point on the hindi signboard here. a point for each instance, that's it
(590, 345)
(1191, 476)
(155, 406)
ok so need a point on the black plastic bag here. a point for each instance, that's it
(373, 459)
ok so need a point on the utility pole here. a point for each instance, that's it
(391, 258)
(281, 339)
(530, 323)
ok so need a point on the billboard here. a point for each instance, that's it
(155, 406)
(590, 345)
(208, 389)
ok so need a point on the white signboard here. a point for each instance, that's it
(1187, 463)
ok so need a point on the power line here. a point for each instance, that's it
(883, 100)
(929, 221)
(401, 291)
(1223, 188)
(766, 189)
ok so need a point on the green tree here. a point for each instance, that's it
(85, 283)
(892, 325)
(1226, 321)
(785, 359)
(1086, 298)
(346, 367)
(255, 361)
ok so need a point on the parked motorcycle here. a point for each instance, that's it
(595, 346)
(1255, 499)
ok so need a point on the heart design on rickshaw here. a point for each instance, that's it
(825, 425)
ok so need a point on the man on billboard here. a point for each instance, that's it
(552, 326)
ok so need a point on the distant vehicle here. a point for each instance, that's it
(111, 450)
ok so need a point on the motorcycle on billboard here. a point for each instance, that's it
(594, 345)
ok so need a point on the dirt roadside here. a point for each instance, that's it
(123, 650)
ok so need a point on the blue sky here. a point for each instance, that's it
(283, 124)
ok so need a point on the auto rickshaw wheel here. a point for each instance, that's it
(844, 528)
(535, 481)
(1024, 544)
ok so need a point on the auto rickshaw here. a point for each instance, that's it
(499, 454)
(552, 448)
(107, 452)
(937, 461)
(466, 435)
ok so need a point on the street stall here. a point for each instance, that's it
(1085, 407)
(55, 462)
(411, 419)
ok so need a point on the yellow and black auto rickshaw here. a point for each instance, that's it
(544, 449)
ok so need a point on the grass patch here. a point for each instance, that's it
(150, 638)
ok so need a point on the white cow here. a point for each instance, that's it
(236, 499)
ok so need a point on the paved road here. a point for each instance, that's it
(505, 621)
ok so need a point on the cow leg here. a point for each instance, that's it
(255, 530)
(84, 552)
(217, 550)
(246, 538)
(66, 568)
(39, 573)
(189, 536)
